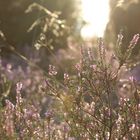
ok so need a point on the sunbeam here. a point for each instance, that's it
(96, 15)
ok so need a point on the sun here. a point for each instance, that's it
(96, 14)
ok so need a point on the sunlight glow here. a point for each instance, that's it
(96, 14)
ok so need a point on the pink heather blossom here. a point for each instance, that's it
(52, 70)
(19, 86)
(135, 39)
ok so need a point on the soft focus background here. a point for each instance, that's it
(42, 42)
(89, 18)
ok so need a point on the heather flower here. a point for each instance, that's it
(90, 55)
(102, 50)
(79, 89)
(19, 87)
(135, 39)
(120, 38)
(131, 78)
(65, 127)
(49, 114)
(31, 114)
(9, 67)
(66, 77)
(9, 105)
(8, 122)
(78, 67)
(93, 67)
(52, 70)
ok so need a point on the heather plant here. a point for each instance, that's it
(87, 105)
(90, 102)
